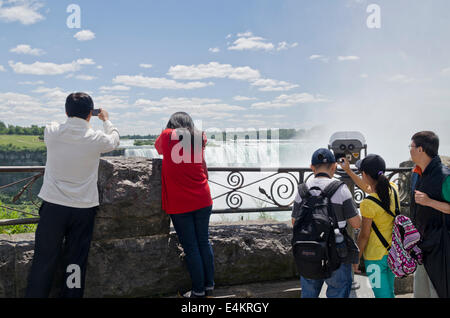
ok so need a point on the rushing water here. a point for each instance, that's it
(243, 153)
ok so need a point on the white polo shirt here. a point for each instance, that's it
(73, 157)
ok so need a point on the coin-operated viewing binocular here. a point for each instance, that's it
(348, 144)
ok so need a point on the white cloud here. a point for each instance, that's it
(319, 57)
(201, 107)
(364, 75)
(2, 68)
(47, 68)
(284, 100)
(40, 68)
(243, 98)
(85, 77)
(111, 102)
(85, 35)
(214, 50)
(22, 11)
(248, 41)
(284, 46)
(157, 82)
(270, 85)
(348, 58)
(115, 88)
(32, 83)
(26, 49)
(85, 62)
(146, 65)
(212, 70)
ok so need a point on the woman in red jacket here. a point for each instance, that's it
(186, 197)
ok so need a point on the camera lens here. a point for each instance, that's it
(342, 147)
(351, 147)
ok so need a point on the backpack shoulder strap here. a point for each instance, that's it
(303, 190)
(331, 189)
(380, 236)
(397, 206)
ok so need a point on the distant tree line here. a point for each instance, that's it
(34, 130)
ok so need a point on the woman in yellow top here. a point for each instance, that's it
(375, 183)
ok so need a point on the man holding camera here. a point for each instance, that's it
(70, 196)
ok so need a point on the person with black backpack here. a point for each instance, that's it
(322, 249)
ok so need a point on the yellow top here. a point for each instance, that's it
(385, 222)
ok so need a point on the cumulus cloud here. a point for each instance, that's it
(48, 68)
(23, 11)
(319, 57)
(85, 35)
(348, 58)
(199, 107)
(212, 70)
(270, 85)
(26, 49)
(248, 41)
(146, 65)
(214, 50)
(217, 70)
(157, 82)
(243, 98)
(115, 88)
(2, 68)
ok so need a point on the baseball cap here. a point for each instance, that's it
(372, 164)
(321, 156)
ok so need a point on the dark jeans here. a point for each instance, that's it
(57, 225)
(193, 233)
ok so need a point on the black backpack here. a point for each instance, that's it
(314, 241)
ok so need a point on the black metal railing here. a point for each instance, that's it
(277, 187)
(269, 189)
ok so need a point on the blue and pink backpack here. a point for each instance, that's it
(404, 254)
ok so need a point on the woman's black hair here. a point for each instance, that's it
(181, 121)
(375, 167)
(382, 189)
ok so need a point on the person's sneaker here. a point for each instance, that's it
(189, 294)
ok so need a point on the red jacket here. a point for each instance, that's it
(184, 185)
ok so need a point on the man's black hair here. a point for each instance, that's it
(79, 105)
(429, 142)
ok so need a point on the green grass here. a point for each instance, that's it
(21, 143)
(10, 215)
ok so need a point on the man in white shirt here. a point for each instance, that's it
(70, 197)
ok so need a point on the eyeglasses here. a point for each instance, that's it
(411, 146)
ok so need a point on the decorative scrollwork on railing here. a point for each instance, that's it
(234, 200)
(282, 191)
(235, 179)
(278, 189)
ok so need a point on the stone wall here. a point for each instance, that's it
(134, 254)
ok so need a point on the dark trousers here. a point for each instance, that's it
(193, 233)
(62, 232)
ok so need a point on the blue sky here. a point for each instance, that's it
(253, 63)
